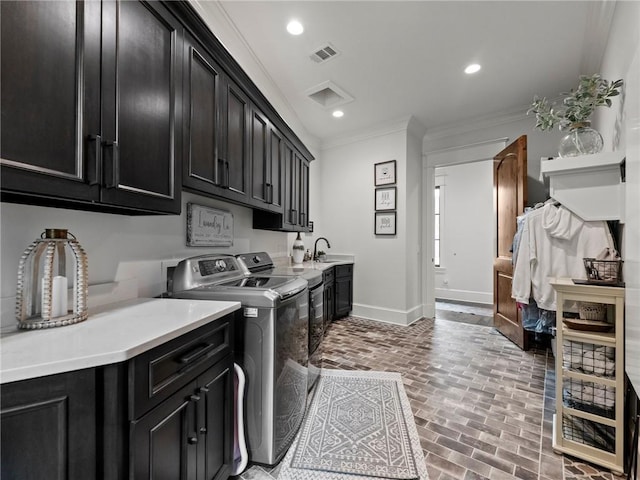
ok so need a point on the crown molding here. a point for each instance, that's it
(392, 126)
(476, 123)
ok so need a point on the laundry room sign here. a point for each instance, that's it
(208, 227)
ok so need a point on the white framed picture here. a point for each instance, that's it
(385, 173)
(386, 198)
(385, 223)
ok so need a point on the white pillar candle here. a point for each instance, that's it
(59, 296)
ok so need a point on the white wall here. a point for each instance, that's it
(414, 220)
(121, 247)
(347, 204)
(620, 128)
(467, 233)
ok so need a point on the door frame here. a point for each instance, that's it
(475, 152)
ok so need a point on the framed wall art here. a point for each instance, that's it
(208, 227)
(385, 223)
(385, 173)
(386, 198)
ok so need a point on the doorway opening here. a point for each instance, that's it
(460, 233)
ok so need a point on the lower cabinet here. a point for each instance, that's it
(329, 296)
(189, 435)
(180, 415)
(165, 414)
(48, 428)
(343, 290)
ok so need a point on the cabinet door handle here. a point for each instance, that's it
(267, 187)
(195, 353)
(94, 168)
(220, 173)
(192, 440)
(112, 177)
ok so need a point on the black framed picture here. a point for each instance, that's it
(385, 223)
(385, 173)
(386, 198)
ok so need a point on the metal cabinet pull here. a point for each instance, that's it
(268, 193)
(192, 440)
(112, 177)
(94, 168)
(220, 174)
(195, 353)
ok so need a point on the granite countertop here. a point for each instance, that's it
(112, 333)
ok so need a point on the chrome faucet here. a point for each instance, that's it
(315, 247)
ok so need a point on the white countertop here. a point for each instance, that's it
(299, 268)
(112, 333)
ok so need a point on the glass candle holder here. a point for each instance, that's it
(52, 276)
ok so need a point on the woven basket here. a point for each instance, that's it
(592, 311)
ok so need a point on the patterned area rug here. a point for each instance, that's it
(359, 425)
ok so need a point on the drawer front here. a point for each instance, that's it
(160, 372)
(327, 275)
(344, 270)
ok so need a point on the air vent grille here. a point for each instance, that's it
(324, 53)
(328, 94)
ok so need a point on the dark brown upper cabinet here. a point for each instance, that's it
(294, 188)
(267, 163)
(90, 114)
(217, 129)
(202, 122)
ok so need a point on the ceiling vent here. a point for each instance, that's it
(324, 53)
(328, 95)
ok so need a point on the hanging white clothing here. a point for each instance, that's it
(553, 243)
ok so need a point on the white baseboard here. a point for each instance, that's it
(464, 295)
(387, 315)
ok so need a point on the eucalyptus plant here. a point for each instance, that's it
(578, 105)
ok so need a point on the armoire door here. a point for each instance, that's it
(510, 190)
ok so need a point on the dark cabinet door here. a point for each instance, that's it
(48, 428)
(329, 300)
(141, 116)
(164, 442)
(216, 409)
(303, 193)
(343, 290)
(343, 294)
(260, 174)
(202, 129)
(50, 98)
(276, 169)
(235, 154)
(291, 185)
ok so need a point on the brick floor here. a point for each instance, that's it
(483, 407)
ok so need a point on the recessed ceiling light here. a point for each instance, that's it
(294, 27)
(338, 113)
(473, 68)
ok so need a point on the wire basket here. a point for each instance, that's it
(607, 272)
